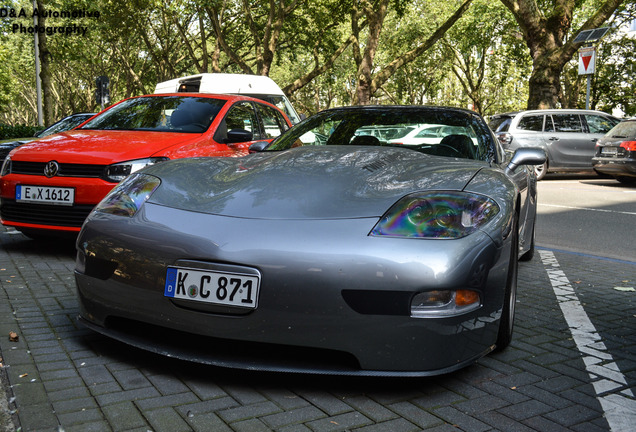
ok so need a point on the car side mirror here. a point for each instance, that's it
(526, 156)
(238, 136)
(258, 146)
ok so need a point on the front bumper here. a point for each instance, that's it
(121, 271)
(50, 217)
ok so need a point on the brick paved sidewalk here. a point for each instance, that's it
(66, 378)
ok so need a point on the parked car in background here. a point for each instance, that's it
(337, 256)
(616, 152)
(50, 185)
(66, 123)
(568, 136)
(256, 86)
(425, 134)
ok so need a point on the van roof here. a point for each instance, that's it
(223, 83)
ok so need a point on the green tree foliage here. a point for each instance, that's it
(323, 53)
(547, 28)
(488, 59)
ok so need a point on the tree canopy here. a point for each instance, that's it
(477, 54)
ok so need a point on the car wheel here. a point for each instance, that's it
(541, 170)
(506, 323)
(627, 180)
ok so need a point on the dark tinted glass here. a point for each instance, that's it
(273, 121)
(531, 123)
(500, 123)
(243, 117)
(567, 123)
(461, 134)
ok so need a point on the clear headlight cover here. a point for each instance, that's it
(436, 215)
(119, 171)
(6, 167)
(127, 198)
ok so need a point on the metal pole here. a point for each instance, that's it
(587, 96)
(38, 83)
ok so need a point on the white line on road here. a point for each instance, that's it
(616, 399)
(585, 208)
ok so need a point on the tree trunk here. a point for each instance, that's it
(544, 86)
(45, 70)
(375, 16)
(545, 32)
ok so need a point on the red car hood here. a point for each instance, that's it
(100, 147)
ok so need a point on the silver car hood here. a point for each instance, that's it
(312, 182)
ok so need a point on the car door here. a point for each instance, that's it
(569, 146)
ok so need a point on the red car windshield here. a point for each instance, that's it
(160, 113)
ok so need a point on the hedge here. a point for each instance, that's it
(8, 132)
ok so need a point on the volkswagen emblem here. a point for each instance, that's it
(51, 169)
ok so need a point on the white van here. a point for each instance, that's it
(257, 86)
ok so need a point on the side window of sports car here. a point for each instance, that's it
(273, 121)
(567, 123)
(531, 123)
(243, 117)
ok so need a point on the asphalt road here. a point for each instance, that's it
(587, 214)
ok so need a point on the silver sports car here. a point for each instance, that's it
(334, 249)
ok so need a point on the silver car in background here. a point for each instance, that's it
(568, 136)
(330, 250)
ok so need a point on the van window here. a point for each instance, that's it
(531, 123)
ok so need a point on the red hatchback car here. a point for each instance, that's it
(51, 185)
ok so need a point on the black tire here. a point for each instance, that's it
(506, 323)
(629, 181)
(541, 170)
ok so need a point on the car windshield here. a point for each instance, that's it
(159, 113)
(441, 132)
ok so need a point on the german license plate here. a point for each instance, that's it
(220, 288)
(609, 151)
(45, 194)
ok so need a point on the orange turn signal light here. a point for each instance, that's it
(466, 297)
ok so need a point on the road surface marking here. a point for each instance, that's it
(615, 397)
(585, 208)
